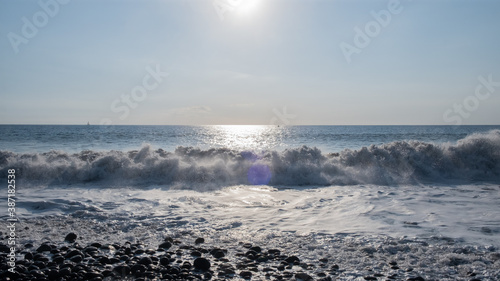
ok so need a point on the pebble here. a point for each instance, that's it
(145, 261)
(165, 245)
(179, 261)
(303, 277)
(44, 248)
(201, 264)
(71, 237)
(246, 274)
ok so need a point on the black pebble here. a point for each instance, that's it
(65, 271)
(137, 268)
(418, 278)
(28, 256)
(303, 276)
(73, 253)
(44, 248)
(76, 259)
(165, 245)
(256, 249)
(71, 237)
(199, 240)
(292, 259)
(217, 253)
(164, 261)
(145, 261)
(202, 264)
(246, 274)
(122, 270)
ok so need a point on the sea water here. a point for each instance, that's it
(287, 185)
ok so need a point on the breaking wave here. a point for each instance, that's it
(475, 158)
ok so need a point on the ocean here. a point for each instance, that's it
(357, 196)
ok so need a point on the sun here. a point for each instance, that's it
(247, 8)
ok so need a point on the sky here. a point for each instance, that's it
(289, 62)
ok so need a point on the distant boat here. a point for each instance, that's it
(88, 123)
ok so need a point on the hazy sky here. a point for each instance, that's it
(249, 62)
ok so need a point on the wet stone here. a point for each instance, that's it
(71, 237)
(201, 264)
(246, 274)
(44, 248)
(303, 277)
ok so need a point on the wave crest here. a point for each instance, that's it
(473, 158)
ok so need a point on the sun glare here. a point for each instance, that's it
(248, 7)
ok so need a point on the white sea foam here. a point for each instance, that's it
(476, 158)
(467, 212)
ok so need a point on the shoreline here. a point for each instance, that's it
(281, 256)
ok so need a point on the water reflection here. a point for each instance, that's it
(246, 137)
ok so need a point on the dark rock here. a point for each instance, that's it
(90, 249)
(174, 270)
(217, 253)
(92, 275)
(138, 268)
(104, 260)
(247, 245)
(262, 259)
(186, 265)
(165, 245)
(128, 251)
(76, 259)
(52, 274)
(28, 256)
(139, 252)
(246, 274)
(292, 259)
(71, 237)
(370, 278)
(107, 273)
(28, 245)
(4, 248)
(199, 240)
(195, 254)
(274, 252)
(303, 277)
(122, 270)
(145, 261)
(202, 264)
(44, 248)
(58, 259)
(64, 271)
(256, 249)
(73, 253)
(418, 278)
(164, 261)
